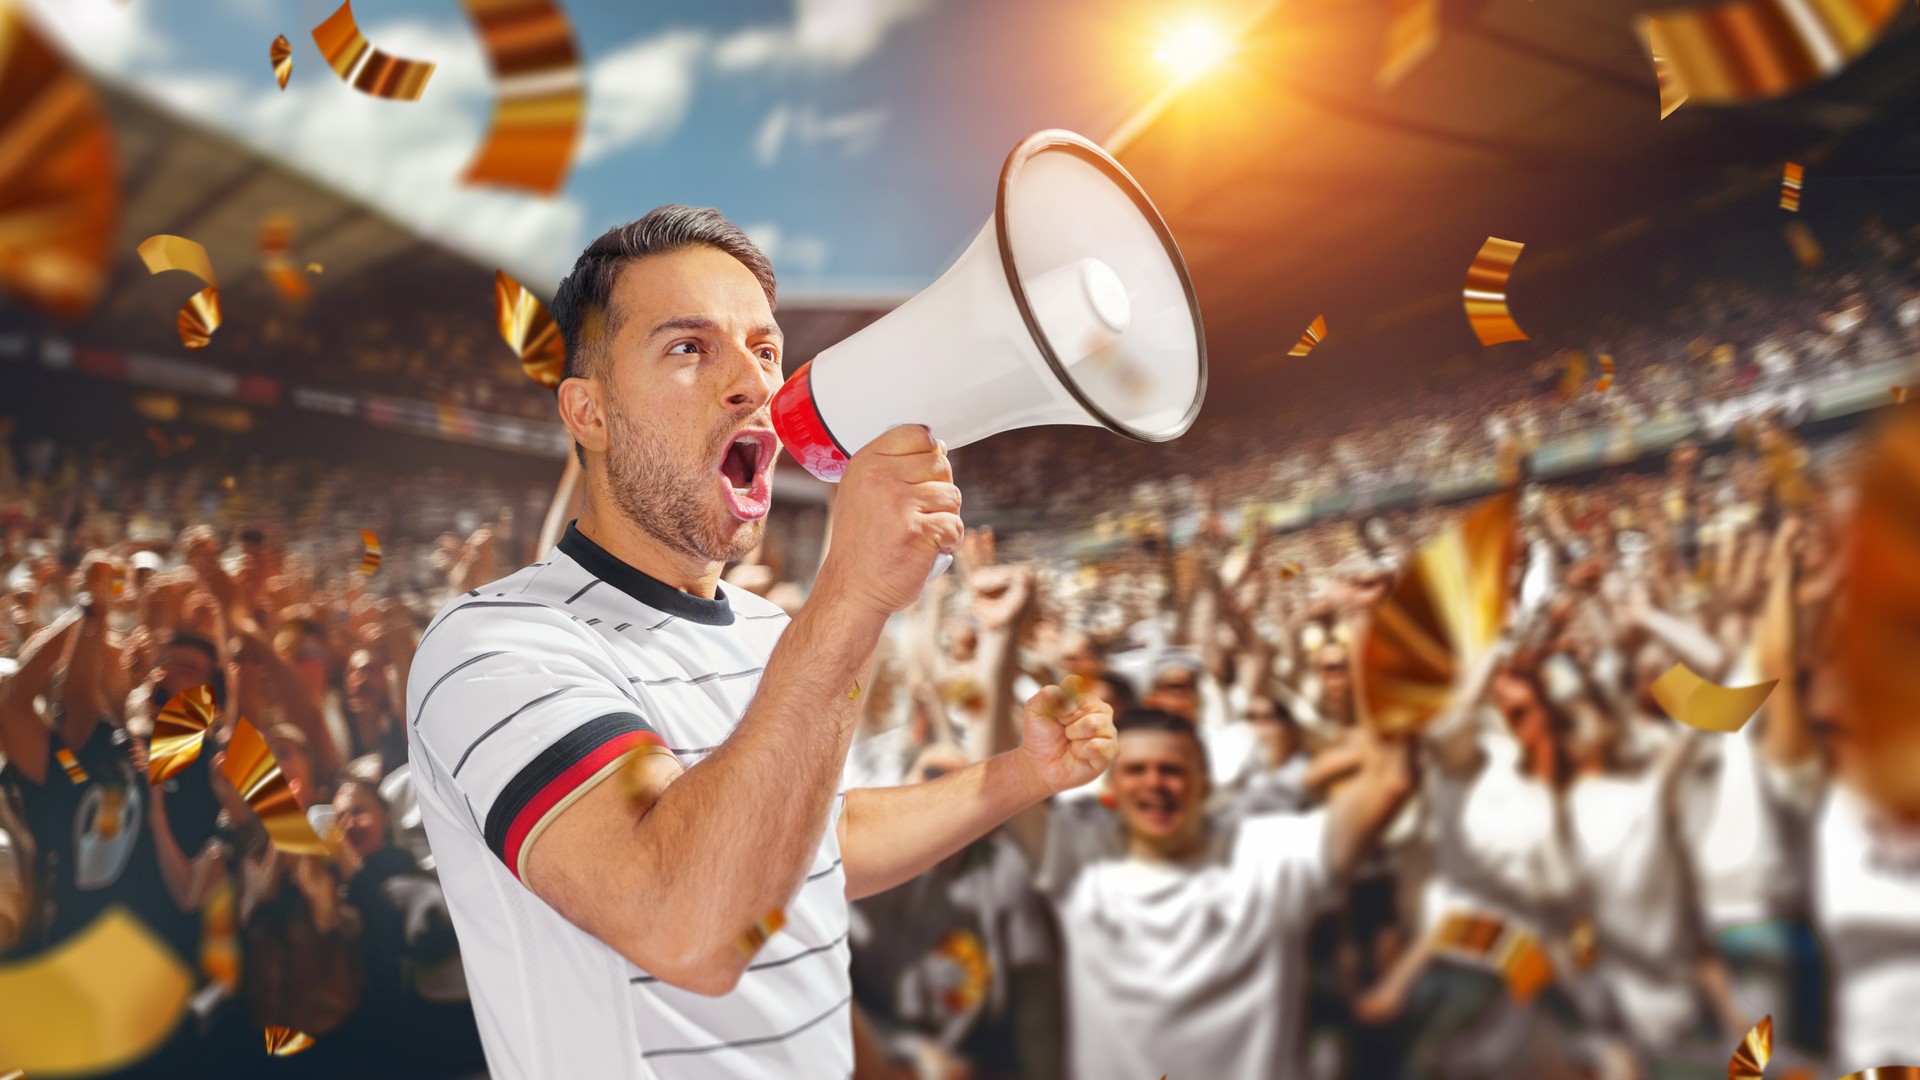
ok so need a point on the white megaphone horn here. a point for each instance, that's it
(1071, 306)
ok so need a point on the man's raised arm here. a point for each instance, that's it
(673, 872)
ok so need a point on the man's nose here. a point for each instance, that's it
(749, 383)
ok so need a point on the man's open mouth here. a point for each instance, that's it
(746, 471)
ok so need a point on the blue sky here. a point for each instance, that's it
(858, 140)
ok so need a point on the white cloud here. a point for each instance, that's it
(640, 92)
(797, 254)
(110, 34)
(830, 35)
(853, 132)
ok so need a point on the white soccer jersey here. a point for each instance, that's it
(524, 694)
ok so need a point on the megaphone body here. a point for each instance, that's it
(1072, 305)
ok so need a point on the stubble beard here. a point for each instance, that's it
(658, 486)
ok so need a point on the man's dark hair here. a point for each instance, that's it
(183, 639)
(1146, 719)
(1120, 690)
(583, 304)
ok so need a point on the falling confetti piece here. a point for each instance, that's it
(110, 994)
(1605, 382)
(1806, 249)
(75, 773)
(1749, 1061)
(59, 184)
(255, 774)
(315, 268)
(200, 315)
(281, 54)
(1316, 330)
(1442, 615)
(1673, 92)
(276, 259)
(370, 560)
(633, 783)
(368, 69)
(855, 692)
(1486, 292)
(286, 1042)
(1708, 706)
(1574, 378)
(1899, 394)
(1790, 187)
(1748, 50)
(768, 925)
(1523, 964)
(1413, 29)
(1290, 570)
(540, 98)
(529, 331)
(179, 732)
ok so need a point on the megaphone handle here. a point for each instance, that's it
(941, 563)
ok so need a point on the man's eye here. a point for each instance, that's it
(684, 348)
(770, 355)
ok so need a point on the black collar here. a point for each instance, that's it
(648, 590)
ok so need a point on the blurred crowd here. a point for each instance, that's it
(1556, 880)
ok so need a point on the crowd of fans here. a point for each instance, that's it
(1262, 885)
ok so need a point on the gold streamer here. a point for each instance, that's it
(540, 99)
(366, 68)
(1413, 29)
(1443, 614)
(1749, 1061)
(1316, 331)
(1486, 292)
(1748, 50)
(179, 732)
(59, 183)
(1707, 706)
(370, 559)
(200, 315)
(1790, 187)
(529, 331)
(281, 54)
(1673, 92)
(255, 774)
(276, 259)
(286, 1042)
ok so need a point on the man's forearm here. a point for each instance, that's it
(733, 837)
(891, 835)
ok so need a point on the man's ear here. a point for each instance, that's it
(580, 410)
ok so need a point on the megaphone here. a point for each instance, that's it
(1072, 305)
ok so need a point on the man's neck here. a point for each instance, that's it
(632, 545)
(1173, 851)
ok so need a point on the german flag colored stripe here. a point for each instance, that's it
(561, 772)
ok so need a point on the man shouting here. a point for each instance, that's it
(630, 770)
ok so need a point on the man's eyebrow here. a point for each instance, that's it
(701, 322)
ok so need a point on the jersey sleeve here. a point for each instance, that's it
(518, 711)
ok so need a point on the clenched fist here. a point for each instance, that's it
(897, 510)
(1068, 737)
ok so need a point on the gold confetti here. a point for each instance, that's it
(200, 315)
(633, 783)
(1748, 50)
(1486, 292)
(276, 258)
(767, 926)
(315, 268)
(110, 994)
(1442, 615)
(1708, 706)
(59, 183)
(1806, 249)
(1749, 1061)
(855, 692)
(372, 556)
(1605, 382)
(1290, 570)
(1790, 187)
(1574, 378)
(286, 1042)
(540, 100)
(1413, 29)
(1673, 92)
(1316, 330)
(1899, 394)
(1523, 964)
(368, 69)
(281, 54)
(179, 732)
(75, 773)
(529, 331)
(255, 774)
